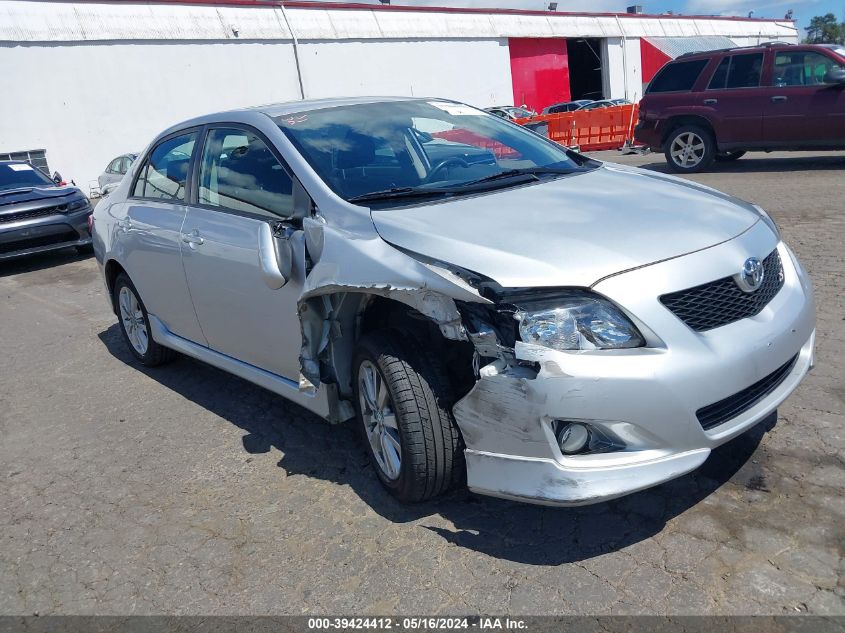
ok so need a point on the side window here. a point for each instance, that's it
(720, 77)
(239, 172)
(802, 68)
(165, 172)
(745, 71)
(114, 166)
(677, 76)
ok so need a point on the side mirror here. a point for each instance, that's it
(835, 76)
(275, 255)
(57, 178)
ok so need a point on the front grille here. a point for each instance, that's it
(720, 412)
(720, 302)
(34, 213)
(34, 242)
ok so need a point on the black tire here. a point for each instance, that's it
(726, 157)
(154, 354)
(700, 136)
(85, 249)
(432, 459)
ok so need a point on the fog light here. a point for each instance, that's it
(572, 437)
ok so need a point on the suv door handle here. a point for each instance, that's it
(778, 98)
(193, 238)
(711, 101)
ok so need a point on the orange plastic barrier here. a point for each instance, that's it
(591, 130)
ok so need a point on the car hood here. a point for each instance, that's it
(29, 194)
(572, 231)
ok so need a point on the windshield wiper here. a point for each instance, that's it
(525, 171)
(399, 192)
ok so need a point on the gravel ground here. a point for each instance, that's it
(183, 490)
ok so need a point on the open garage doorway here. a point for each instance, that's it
(585, 68)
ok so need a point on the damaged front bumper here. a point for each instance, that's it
(646, 399)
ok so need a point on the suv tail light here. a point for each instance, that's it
(91, 224)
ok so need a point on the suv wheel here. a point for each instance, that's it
(690, 149)
(135, 325)
(724, 157)
(403, 402)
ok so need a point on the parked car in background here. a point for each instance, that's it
(599, 105)
(36, 214)
(114, 172)
(718, 105)
(566, 106)
(511, 113)
(316, 248)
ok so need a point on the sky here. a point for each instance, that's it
(802, 10)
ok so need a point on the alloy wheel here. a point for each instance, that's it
(379, 418)
(132, 318)
(687, 150)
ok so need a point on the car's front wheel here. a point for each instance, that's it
(135, 325)
(690, 149)
(403, 402)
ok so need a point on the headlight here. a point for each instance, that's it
(577, 321)
(768, 220)
(76, 205)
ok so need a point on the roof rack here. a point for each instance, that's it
(736, 48)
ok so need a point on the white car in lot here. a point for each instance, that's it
(555, 329)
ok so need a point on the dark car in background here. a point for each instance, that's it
(38, 215)
(720, 104)
(566, 106)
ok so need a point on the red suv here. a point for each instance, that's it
(717, 105)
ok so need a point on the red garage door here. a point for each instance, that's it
(540, 71)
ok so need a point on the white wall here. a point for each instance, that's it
(474, 71)
(622, 65)
(86, 104)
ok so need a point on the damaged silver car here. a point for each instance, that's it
(483, 303)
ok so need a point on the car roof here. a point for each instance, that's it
(273, 110)
(747, 49)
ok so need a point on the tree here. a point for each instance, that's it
(825, 29)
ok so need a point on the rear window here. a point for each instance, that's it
(677, 76)
(20, 175)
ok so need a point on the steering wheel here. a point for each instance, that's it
(451, 160)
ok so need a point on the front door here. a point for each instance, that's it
(244, 193)
(803, 108)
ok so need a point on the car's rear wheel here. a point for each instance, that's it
(724, 157)
(403, 402)
(135, 325)
(690, 149)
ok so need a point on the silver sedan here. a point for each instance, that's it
(553, 329)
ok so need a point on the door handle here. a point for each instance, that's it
(778, 98)
(193, 238)
(711, 101)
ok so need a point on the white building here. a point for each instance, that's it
(88, 81)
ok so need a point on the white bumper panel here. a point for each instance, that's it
(646, 397)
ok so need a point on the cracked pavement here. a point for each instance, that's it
(184, 490)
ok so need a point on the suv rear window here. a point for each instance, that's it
(677, 76)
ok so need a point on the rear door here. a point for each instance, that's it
(803, 107)
(735, 100)
(243, 194)
(150, 234)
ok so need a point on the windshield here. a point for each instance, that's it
(415, 148)
(21, 175)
